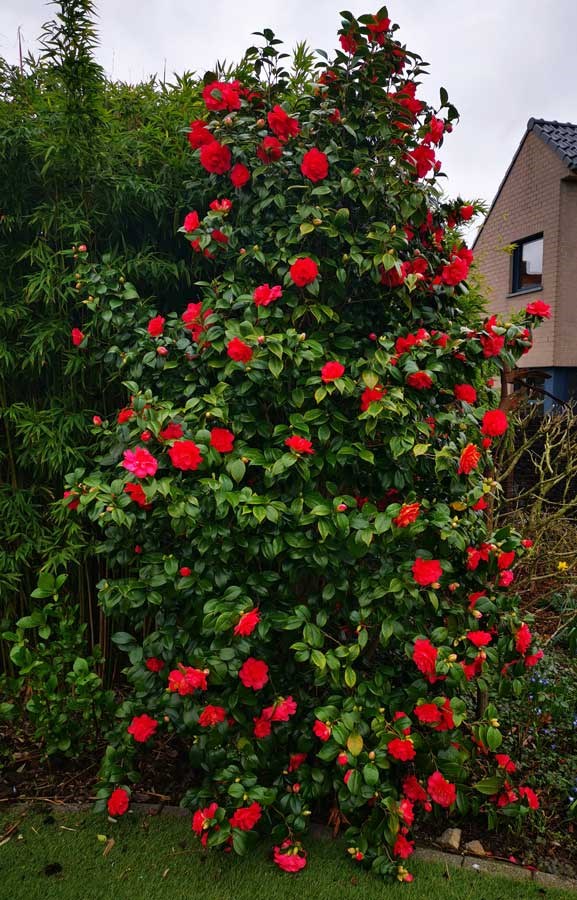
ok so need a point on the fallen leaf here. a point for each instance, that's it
(109, 845)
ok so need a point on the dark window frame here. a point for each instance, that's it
(516, 265)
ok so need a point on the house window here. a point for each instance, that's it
(528, 264)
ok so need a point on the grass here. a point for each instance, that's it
(65, 857)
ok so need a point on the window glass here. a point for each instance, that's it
(528, 264)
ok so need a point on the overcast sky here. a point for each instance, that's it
(502, 61)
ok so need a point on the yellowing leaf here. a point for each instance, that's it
(354, 744)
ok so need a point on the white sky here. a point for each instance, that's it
(502, 61)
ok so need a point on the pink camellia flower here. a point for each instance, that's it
(331, 371)
(253, 673)
(140, 462)
(239, 351)
(247, 623)
(441, 791)
(321, 730)
(118, 802)
(142, 728)
(539, 309)
(77, 336)
(264, 294)
(290, 857)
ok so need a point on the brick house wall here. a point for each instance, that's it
(534, 198)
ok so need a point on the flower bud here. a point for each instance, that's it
(162, 351)
(145, 436)
(96, 420)
(82, 248)
(341, 507)
(452, 657)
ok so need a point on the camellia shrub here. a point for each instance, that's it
(296, 493)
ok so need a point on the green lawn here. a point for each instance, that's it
(60, 857)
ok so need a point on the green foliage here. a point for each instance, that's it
(83, 161)
(57, 687)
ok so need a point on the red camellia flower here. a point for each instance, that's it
(212, 715)
(239, 351)
(422, 158)
(523, 639)
(425, 657)
(136, 494)
(191, 221)
(269, 150)
(263, 294)
(142, 727)
(153, 664)
(315, 165)
(185, 571)
(295, 761)
(299, 444)
(371, 395)
(77, 336)
(253, 673)
(186, 679)
(222, 440)
(403, 847)
(262, 726)
(533, 659)
(413, 790)
(402, 749)
(185, 455)
(290, 857)
(465, 392)
(221, 206)
(530, 796)
(215, 158)
(199, 134)
(118, 802)
(408, 513)
(220, 96)
(479, 638)
(469, 459)
(321, 730)
(505, 762)
(506, 578)
(441, 791)
(247, 623)
(348, 43)
(155, 326)
(426, 571)
(140, 462)
(494, 423)
(506, 559)
(282, 710)
(378, 30)
(539, 309)
(172, 432)
(331, 371)
(455, 271)
(203, 817)
(428, 713)
(283, 126)
(419, 380)
(246, 817)
(239, 175)
(304, 271)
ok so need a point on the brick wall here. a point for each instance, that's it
(535, 199)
